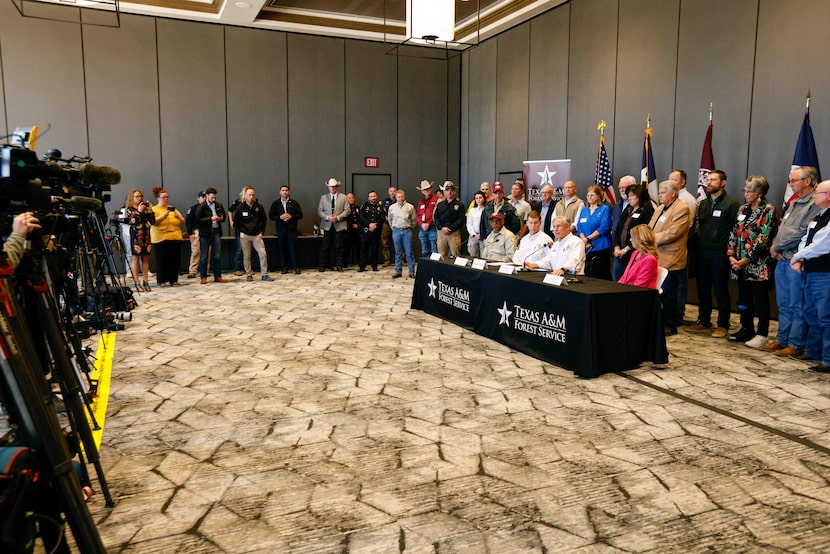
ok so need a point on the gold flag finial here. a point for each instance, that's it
(710, 111)
(808, 100)
(601, 127)
(648, 121)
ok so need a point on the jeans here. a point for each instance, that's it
(403, 243)
(713, 273)
(429, 241)
(817, 315)
(789, 293)
(210, 244)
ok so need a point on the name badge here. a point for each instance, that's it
(584, 220)
(244, 214)
(741, 217)
(424, 217)
(716, 213)
(786, 215)
(636, 216)
(661, 219)
(812, 224)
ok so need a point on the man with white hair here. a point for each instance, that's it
(671, 228)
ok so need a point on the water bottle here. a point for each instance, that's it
(316, 230)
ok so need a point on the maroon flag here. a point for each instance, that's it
(707, 163)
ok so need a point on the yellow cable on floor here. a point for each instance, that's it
(102, 372)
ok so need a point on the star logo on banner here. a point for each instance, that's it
(505, 314)
(432, 286)
(546, 175)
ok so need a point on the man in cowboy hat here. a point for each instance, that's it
(333, 210)
(426, 225)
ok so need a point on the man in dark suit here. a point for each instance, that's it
(209, 218)
(334, 211)
(545, 207)
(286, 212)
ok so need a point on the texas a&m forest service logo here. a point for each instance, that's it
(546, 325)
(456, 297)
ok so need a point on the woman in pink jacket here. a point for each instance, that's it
(641, 270)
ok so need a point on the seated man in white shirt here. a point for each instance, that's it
(500, 243)
(566, 255)
(532, 246)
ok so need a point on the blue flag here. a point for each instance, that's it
(805, 153)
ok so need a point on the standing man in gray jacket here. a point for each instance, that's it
(333, 211)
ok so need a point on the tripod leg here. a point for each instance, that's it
(70, 387)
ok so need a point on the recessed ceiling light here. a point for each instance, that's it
(242, 5)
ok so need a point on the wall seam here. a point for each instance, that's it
(752, 85)
(227, 119)
(616, 81)
(676, 78)
(86, 96)
(287, 117)
(158, 96)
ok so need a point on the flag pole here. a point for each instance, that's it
(710, 112)
(807, 107)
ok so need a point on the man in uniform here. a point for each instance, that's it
(371, 218)
(449, 216)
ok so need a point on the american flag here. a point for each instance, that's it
(602, 177)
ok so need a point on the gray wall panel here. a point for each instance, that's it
(44, 79)
(371, 111)
(785, 69)
(715, 64)
(192, 107)
(645, 84)
(481, 124)
(454, 119)
(122, 92)
(548, 94)
(513, 60)
(316, 118)
(422, 122)
(591, 83)
(257, 112)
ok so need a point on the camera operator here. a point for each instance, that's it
(166, 234)
(15, 244)
(140, 217)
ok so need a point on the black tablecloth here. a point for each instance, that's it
(589, 326)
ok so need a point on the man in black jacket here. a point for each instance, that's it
(193, 235)
(209, 218)
(371, 218)
(249, 220)
(287, 212)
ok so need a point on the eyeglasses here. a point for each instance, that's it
(791, 181)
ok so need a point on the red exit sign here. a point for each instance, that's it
(371, 162)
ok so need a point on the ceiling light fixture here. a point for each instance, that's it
(430, 29)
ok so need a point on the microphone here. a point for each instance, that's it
(85, 203)
(100, 174)
(532, 252)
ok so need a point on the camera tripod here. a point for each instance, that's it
(32, 347)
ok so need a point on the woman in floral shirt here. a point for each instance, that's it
(748, 253)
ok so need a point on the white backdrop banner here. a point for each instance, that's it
(546, 172)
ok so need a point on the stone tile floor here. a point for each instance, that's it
(318, 413)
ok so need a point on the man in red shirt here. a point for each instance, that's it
(426, 226)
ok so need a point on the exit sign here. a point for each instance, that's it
(371, 162)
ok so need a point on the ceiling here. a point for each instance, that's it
(378, 20)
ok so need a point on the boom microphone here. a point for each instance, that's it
(100, 174)
(85, 203)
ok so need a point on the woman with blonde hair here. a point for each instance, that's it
(166, 236)
(593, 226)
(139, 216)
(641, 270)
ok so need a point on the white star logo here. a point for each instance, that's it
(505, 314)
(432, 286)
(546, 176)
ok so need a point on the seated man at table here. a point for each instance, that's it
(532, 246)
(566, 254)
(500, 244)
